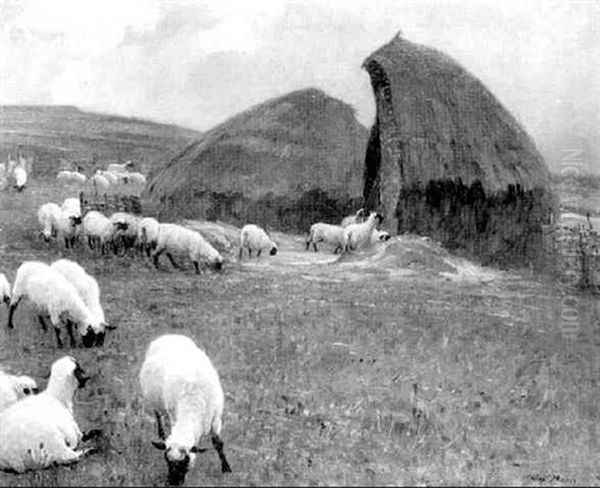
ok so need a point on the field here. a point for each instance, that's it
(318, 360)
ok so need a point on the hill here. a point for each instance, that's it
(57, 135)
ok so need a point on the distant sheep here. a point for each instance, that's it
(328, 233)
(67, 227)
(357, 218)
(72, 206)
(120, 168)
(13, 388)
(100, 231)
(254, 238)
(148, 234)
(99, 184)
(71, 177)
(48, 215)
(20, 175)
(137, 179)
(5, 292)
(40, 431)
(53, 295)
(358, 235)
(179, 381)
(126, 233)
(173, 238)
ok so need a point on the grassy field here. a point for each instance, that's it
(318, 371)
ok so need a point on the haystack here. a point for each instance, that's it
(283, 164)
(445, 159)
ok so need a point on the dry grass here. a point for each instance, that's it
(318, 373)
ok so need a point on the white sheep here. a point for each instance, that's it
(67, 227)
(13, 388)
(100, 184)
(20, 175)
(40, 431)
(357, 218)
(179, 381)
(5, 292)
(329, 233)
(53, 295)
(71, 206)
(379, 236)
(254, 238)
(71, 177)
(175, 238)
(111, 176)
(358, 235)
(126, 232)
(25, 271)
(100, 230)
(148, 234)
(88, 289)
(137, 179)
(120, 168)
(48, 215)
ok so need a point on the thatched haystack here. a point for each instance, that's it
(283, 164)
(445, 159)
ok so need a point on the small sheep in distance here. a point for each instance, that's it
(357, 218)
(48, 215)
(328, 233)
(120, 168)
(357, 235)
(179, 381)
(254, 238)
(20, 175)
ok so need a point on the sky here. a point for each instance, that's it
(196, 63)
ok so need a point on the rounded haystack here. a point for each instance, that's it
(445, 159)
(283, 164)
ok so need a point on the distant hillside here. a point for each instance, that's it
(285, 163)
(57, 135)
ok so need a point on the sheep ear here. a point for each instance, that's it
(110, 327)
(160, 445)
(196, 449)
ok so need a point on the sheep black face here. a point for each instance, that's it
(100, 339)
(89, 338)
(273, 251)
(379, 218)
(218, 265)
(178, 461)
(80, 376)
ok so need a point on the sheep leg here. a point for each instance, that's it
(42, 322)
(59, 341)
(218, 445)
(307, 244)
(71, 336)
(241, 253)
(11, 312)
(159, 425)
(314, 246)
(175, 265)
(155, 257)
(258, 253)
(197, 267)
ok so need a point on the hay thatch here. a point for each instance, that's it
(282, 164)
(447, 160)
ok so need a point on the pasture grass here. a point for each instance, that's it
(318, 374)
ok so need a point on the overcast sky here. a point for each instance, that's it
(196, 63)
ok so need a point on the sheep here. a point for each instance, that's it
(20, 175)
(178, 380)
(357, 218)
(54, 295)
(100, 230)
(254, 238)
(120, 168)
(329, 233)
(72, 206)
(89, 291)
(357, 235)
(379, 236)
(127, 229)
(40, 431)
(25, 271)
(4, 289)
(13, 388)
(175, 238)
(67, 227)
(137, 179)
(148, 234)
(48, 215)
(100, 184)
(111, 176)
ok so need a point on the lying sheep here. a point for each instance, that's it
(40, 431)
(13, 388)
(4, 289)
(328, 233)
(254, 238)
(358, 235)
(54, 296)
(100, 231)
(148, 234)
(89, 291)
(357, 218)
(20, 176)
(179, 381)
(173, 238)
(48, 215)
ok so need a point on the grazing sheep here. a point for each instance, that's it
(254, 238)
(178, 380)
(100, 184)
(13, 388)
(89, 291)
(67, 227)
(25, 271)
(148, 234)
(126, 232)
(100, 230)
(329, 233)
(48, 215)
(178, 239)
(111, 176)
(379, 236)
(357, 235)
(53, 295)
(4, 289)
(40, 431)
(71, 177)
(357, 218)
(20, 175)
(137, 179)
(120, 168)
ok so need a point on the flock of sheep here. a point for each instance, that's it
(177, 379)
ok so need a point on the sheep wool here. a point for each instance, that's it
(148, 234)
(99, 230)
(48, 215)
(13, 388)
(254, 238)
(357, 218)
(20, 175)
(358, 235)
(175, 238)
(40, 431)
(328, 233)
(178, 380)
